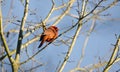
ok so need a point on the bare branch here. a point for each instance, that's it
(4, 40)
(23, 46)
(113, 56)
(70, 3)
(19, 44)
(79, 23)
(43, 23)
(76, 34)
(86, 41)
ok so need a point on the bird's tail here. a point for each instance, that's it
(40, 44)
(41, 37)
(42, 41)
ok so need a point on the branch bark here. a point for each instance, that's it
(79, 23)
(113, 57)
(70, 3)
(20, 38)
(4, 40)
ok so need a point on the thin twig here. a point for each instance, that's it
(37, 38)
(76, 34)
(23, 46)
(86, 41)
(79, 23)
(43, 23)
(70, 3)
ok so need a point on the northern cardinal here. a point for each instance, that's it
(48, 35)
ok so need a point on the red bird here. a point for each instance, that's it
(49, 35)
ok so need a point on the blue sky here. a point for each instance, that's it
(99, 44)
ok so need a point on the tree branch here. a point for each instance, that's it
(4, 40)
(76, 34)
(20, 38)
(113, 56)
(70, 3)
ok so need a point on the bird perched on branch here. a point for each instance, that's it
(49, 35)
